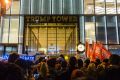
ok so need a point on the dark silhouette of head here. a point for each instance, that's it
(14, 72)
(72, 61)
(80, 63)
(51, 62)
(87, 61)
(106, 60)
(114, 59)
(85, 78)
(63, 64)
(10, 71)
(76, 74)
(97, 62)
(112, 73)
(62, 56)
(22, 63)
(2, 70)
(13, 57)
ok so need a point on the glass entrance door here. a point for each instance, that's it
(52, 38)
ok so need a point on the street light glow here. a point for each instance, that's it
(7, 1)
(4, 6)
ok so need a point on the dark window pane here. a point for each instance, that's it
(111, 30)
(100, 29)
(119, 27)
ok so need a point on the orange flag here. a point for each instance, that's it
(97, 51)
(88, 50)
(101, 55)
(101, 51)
(93, 56)
(106, 53)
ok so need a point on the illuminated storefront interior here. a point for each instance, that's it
(58, 36)
(98, 21)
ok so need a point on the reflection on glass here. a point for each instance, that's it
(15, 8)
(82, 29)
(25, 6)
(0, 30)
(35, 6)
(77, 6)
(67, 7)
(61, 40)
(99, 7)
(8, 11)
(14, 26)
(89, 28)
(1, 49)
(56, 6)
(5, 30)
(100, 29)
(46, 7)
(8, 49)
(52, 40)
(111, 30)
(114, 49)
(118, 6)
(110, 6)
(42, 33)
(119, 27)
(89, 6)
(21, 18)
(32, 42)
(14, 49)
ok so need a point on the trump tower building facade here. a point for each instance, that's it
(57, 26)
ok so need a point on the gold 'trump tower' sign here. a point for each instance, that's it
(51, 19)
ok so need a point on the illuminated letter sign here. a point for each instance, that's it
(31, 58)
(51, 19)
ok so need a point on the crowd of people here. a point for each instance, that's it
(60, 69)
